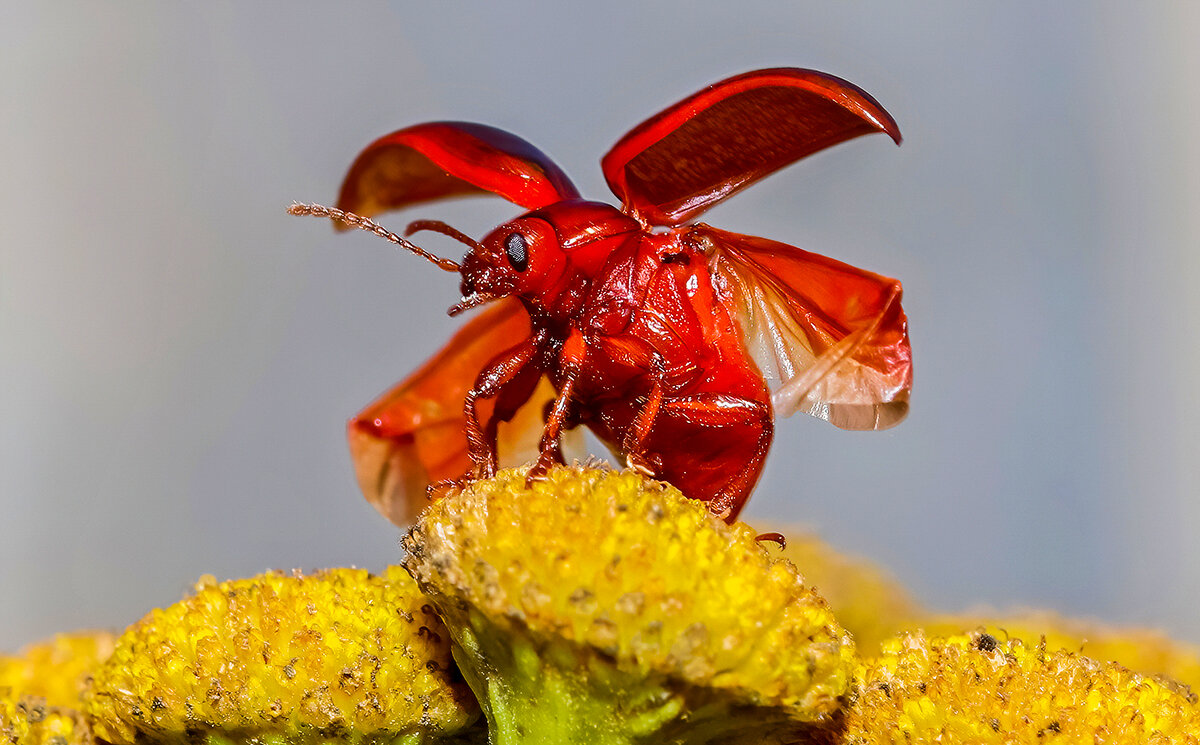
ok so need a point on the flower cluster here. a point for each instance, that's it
(593, 607)
(28, 720)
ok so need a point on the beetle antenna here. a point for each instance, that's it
(438, 226)
(363, 223)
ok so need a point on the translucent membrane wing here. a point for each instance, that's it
(832, 338)
(414, 434)
(449, 159)
(687, 158)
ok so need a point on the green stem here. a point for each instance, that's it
(555, 692)
(528, 698)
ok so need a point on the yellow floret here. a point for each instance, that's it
(337, 655)
(56, 669)
(29, 720)
(615, 602)
(981, 690)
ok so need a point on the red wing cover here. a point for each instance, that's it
(682, 161)
(438, 160)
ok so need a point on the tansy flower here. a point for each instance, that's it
(41, 689)
(601, 607)
(979, 689)
(339, 655)
(57, 669)
(1142, 650)
(29, 720)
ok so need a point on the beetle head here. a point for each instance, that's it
(523, 257)
(546, 256)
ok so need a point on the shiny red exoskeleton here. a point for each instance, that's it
(675, 342)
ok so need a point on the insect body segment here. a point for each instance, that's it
(676, 347)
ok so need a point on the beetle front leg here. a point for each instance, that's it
(481, 440)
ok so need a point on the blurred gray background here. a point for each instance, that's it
(178, 357)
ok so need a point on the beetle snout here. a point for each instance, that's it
(482, 276)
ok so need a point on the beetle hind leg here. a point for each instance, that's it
(729, 500)
(712, 447)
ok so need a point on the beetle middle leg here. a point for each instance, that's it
(571, 361)
(634, 442)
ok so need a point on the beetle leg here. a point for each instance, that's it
(439, 489)
(481, 440)
(634, 443)
(571, 360)
(571, 423)
(551, 447)
(722, 410)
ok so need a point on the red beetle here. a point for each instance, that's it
(658, 333)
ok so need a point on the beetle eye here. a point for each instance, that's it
(517, 250)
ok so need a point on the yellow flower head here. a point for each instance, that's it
(57, 669)
(662, 607)
(1144, 651)
(979, 689)
(337, 655)
(29, 720)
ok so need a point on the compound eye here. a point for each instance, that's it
(517, 251)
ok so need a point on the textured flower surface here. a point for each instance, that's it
(628, 611)
(979, 690)
(57, 669)
(42, 685)
(337, 655)
(1144, 651)
(29, 720)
